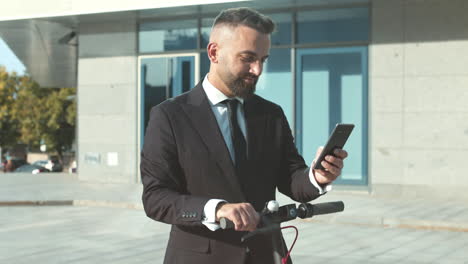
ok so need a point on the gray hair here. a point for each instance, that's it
(246, 17)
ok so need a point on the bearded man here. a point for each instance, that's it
(219, 150)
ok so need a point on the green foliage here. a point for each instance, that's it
(33, 115)
(59, 119)
(8, 126)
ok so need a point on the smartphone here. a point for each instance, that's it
(338, 138)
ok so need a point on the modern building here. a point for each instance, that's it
(397, 69)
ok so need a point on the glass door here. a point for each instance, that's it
(331, 87)
(163, 77)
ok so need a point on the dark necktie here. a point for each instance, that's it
(238, 140)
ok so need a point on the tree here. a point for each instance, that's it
(46, 115)
(29, 111)
(59, 131)
(41, 115)
(9, 133)
(33, 115)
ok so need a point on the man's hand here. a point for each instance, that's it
(243, 215)
(332, 164)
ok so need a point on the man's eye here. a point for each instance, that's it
(248, 59)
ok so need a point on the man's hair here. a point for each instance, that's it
(246, 17)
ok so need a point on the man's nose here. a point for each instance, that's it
(256, 68)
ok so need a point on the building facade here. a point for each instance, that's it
(394, 68)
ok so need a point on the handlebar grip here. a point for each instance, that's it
(306, 210)
(328, 208)
(225, 223)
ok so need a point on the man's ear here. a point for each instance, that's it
(212, 50)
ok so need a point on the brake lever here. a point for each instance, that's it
(271, 221)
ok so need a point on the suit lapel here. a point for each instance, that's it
(203, 120)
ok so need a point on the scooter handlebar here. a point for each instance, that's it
(304, 210)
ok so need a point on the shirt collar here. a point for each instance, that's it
(214, 95)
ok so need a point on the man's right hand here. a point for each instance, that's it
(243, 215)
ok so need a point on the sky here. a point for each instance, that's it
(9, 59)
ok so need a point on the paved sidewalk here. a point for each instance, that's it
(360, 208)
(92, 235)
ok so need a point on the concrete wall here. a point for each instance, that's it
(419, 98)
(107, 101)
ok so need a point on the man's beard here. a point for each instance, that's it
(242, 89)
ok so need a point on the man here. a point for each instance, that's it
(221, 151)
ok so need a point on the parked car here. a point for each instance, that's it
(31, 168)
(53, 164)
(41, 163)
(14, 163)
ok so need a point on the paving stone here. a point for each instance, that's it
(132, 238)
(108, 225)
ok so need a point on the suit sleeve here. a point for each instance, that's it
(294, 179)
(165, 197)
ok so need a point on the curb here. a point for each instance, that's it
(37, 203)
(121, 205)
(93, 203)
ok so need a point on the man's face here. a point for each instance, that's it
(241, 58)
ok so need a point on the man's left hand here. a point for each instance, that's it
(333, 165)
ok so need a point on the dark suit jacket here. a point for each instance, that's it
(185, 162)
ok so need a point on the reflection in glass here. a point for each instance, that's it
(275, 84)
(334, 91)
(205, 30)
(335, 25)
(163, 78)
(282, 35)
(168, 35)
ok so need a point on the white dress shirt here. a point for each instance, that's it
(215, 98)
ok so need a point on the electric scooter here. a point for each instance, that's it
(273, 215)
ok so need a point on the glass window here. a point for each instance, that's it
(275, 84)
(336, 25)
(205, 31)
(163, 78)
(168, 35)
(331, 89)
(282, 35)
(204, 64)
